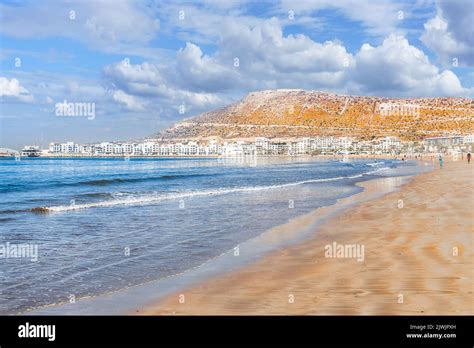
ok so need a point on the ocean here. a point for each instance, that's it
(100, 225)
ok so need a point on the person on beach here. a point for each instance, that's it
(468, 157)
(441, 162)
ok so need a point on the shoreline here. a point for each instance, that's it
(421, 156)
(413, 264)
(136, 299)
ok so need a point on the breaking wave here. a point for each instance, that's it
(154, 198)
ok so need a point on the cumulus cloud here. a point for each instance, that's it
(138, 79)
(451, 32)
(133, 84)
(398, 68)
(203, 73)
(269, 59)
(11, 88)
(257, 55)
(266, 43)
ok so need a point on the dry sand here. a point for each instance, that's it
(418, 259)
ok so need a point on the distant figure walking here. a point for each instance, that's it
(468, 157)
(441, 162)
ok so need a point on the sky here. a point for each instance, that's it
(141, 65)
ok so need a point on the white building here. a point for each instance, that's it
(261, 146)
(468, 139)
(389, 144)
(54, 147)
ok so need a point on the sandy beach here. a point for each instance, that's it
(417, 259)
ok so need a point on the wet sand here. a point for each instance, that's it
(417, 259)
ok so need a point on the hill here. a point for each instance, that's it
(300, 113)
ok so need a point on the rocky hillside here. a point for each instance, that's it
(298, 113)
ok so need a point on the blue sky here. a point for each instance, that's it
(139, 61)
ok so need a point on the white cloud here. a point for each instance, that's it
(139, 79)
(459, 15)
(398, 68)
(103, 24)
(268, 59)
(377, 17)
(147, 81)
(259, 56)
(203, 73)
(132, 103)
(265, 43)
(11, 88)
(448, 84)
(451, 32)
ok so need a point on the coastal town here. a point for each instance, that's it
(259, 146)
(293, 122)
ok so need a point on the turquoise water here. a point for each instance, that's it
(104, 224)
